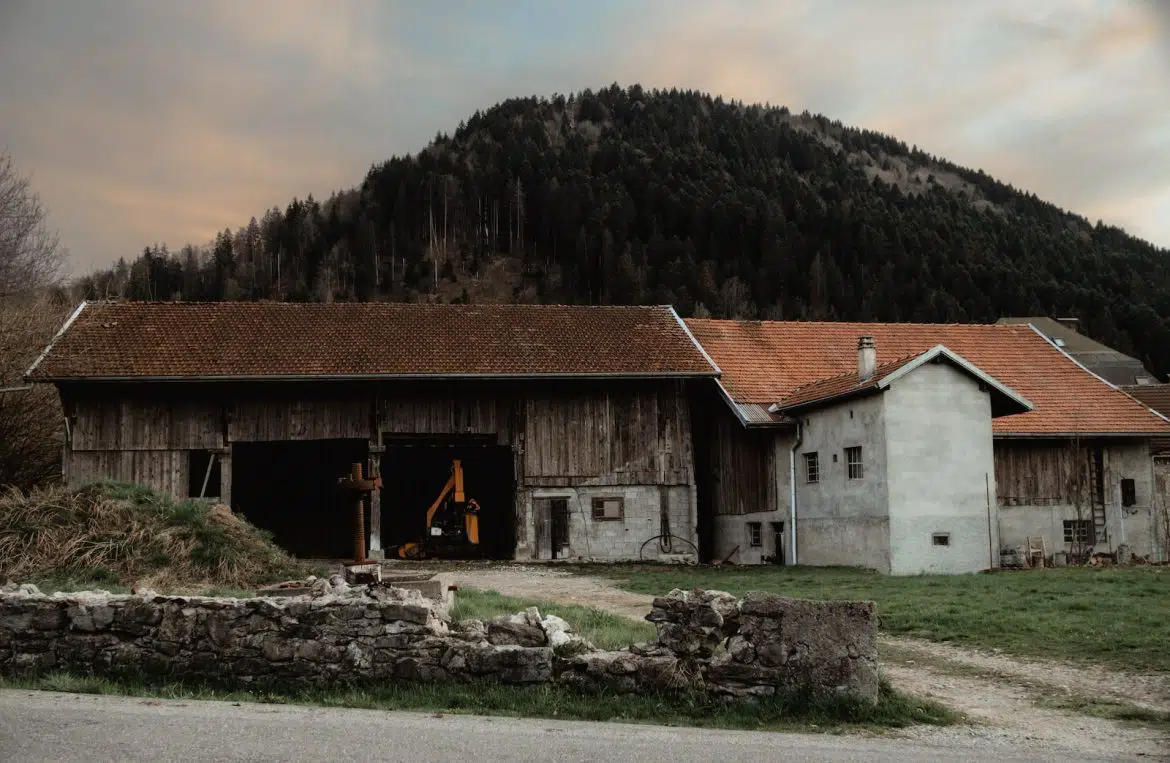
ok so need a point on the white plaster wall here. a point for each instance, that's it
(941, 472)
(842, 521)
(731, 530)
(1124, 458)
(616, 540)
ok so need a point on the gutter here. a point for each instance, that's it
(15, 389)
(375, 377)
(54, 340)
(792, 493)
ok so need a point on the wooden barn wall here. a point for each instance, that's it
(627, 435)
(1037, 472)
(302, 417)
(744, 466)
(455, 413)
(134, 424)
(162, 470)
(563, 434)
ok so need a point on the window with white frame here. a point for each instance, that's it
(812, 467)
(755, 534)
(854, 468)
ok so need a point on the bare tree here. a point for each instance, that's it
(31, 257)
(31, 422)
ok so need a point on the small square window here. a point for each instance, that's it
(812, 467)
(1128, 492)
(202, 465)
(941, 539)
(1080, 531)
(853, 463)
(755, 534)
(608, 510)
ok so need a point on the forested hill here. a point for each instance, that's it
(716, 207)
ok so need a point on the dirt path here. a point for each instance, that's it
(998, 693)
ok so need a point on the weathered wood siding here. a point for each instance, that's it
(300, 418)
(629, 437)
(744, 466)
(132, 424)
(1038, 473)
(162, 470)
(451, 414)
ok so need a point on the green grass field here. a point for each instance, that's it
(1114, 617)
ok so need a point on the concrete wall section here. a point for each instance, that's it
(941, 471)
(840, 520)
(613, 539)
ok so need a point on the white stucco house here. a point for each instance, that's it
(912, 448)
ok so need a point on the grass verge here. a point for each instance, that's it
(1108, 709)
(603, 629)
(794, 712)
(1114, 617)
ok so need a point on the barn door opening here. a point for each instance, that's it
(414, 471)
(289, 488)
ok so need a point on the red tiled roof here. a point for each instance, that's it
(842, 384)
(272, 339)
(765, 361)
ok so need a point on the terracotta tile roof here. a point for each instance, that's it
(267, 339)
(842, 384)
(1156, 396)
(765, 361)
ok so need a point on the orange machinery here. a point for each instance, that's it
(452, 528)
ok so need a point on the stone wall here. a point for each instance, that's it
(707, 641)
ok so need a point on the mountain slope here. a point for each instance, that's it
(633, 196)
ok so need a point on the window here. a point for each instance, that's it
(941, 539)
(1128, 492)
(202, 465)
(853, 463)
(1079, 531)
(755, 534)
(608, 510)
(812, 467)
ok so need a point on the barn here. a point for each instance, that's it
(571, 424)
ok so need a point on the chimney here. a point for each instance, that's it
(866, 359)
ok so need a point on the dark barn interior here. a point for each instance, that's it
(414, 471)
(290, 489)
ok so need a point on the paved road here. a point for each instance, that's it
(44, 726)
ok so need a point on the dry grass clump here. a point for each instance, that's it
(121, 534)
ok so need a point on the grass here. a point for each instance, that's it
(786, 713)
(114, 535)
(1114, 616)
(603, 629)
(1109, 710)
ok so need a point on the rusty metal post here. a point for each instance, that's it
(359, 541)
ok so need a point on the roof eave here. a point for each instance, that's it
(374, 377)
(1069, 435)
(852, 394)
(27, 375)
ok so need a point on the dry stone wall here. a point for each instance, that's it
(707, 641)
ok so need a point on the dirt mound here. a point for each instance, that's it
(121, 534)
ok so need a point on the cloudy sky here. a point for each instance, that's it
(166, 120)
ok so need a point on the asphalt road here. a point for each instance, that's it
(44, 726)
